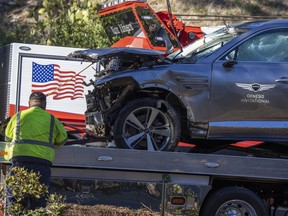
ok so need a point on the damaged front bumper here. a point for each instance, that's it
(104, 102)
(108, 97)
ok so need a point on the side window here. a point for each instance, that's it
(270, 46)
(152, 25)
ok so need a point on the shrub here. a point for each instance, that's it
(69, 23)
(24, 183)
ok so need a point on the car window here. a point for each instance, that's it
(210, 47)
(120, 25)
(152, 25)
(266, 47)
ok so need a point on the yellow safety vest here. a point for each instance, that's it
(34, 132)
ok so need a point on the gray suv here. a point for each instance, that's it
(230, 85)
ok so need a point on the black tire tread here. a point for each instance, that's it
(217, 198)
(128, 108)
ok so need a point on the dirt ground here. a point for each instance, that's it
(105, 210)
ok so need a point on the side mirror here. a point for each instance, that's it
(191, 35)
(229, 64)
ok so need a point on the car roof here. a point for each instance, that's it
(243, 27)
(248, 29)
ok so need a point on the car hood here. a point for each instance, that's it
(118, 59)
(98, 54)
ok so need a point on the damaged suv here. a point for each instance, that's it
(229, 85)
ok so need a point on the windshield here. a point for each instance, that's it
(124, 23)
(121, 24)
(152, 25)
(210, 46)
(206, 45)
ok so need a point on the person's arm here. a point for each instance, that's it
(9, 135)
(9, 131)
(61, 134)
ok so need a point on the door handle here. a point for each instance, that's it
(105, 158)
(282, 80)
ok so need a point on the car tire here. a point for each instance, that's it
(234, 201)
(147, 124)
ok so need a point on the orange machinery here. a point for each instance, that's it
(136, 24)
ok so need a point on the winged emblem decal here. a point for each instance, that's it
(255, 87)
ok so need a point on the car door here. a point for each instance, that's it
(249, 89)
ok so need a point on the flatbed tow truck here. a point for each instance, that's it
(177, 183)
(182, 183)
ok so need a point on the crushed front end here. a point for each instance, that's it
(103, 103)
(107, 97)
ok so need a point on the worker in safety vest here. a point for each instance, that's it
(32, 134)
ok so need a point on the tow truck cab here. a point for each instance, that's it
(136, 24)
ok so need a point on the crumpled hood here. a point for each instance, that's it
(98, 54)
(119, 59)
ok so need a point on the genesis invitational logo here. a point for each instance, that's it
(255, 87)
(255, 96)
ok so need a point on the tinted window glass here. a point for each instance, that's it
(211, 46)
(121, 24)
(152, 25)
(267, 47)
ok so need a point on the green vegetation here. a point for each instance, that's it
(75, 23)
(16, 33)
(69, 24)
(26, 184)
(59, 23)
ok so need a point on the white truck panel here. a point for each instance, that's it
(21, 57)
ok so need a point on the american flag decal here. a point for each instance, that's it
(62, 84)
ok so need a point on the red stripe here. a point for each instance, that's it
(246, 144)
(77, 120)
(182, 144)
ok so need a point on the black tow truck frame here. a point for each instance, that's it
(208, 184)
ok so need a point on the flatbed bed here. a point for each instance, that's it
(263, 178)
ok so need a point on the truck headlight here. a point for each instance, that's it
(191, 35)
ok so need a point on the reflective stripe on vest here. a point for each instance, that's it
(35, 142)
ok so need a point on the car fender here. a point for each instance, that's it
(187, 86)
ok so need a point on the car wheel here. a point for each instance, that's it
(147, 124)
(234, 201)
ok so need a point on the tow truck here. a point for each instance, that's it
(252, 181)
(171, 183)
(135, 24)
